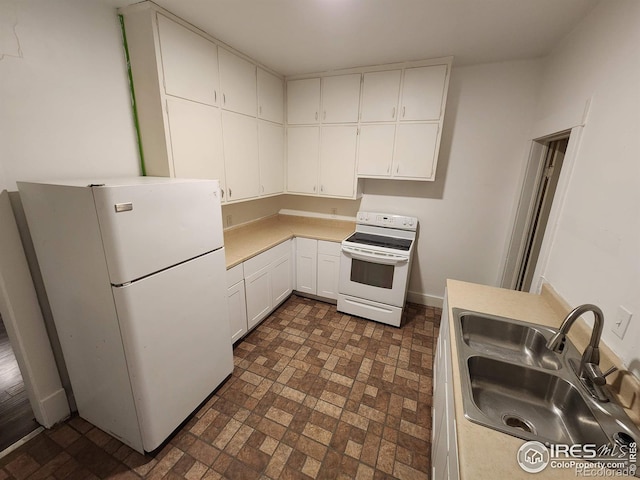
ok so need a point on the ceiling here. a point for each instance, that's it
(305, 36)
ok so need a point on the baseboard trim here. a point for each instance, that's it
(54, 408)
(424, 299)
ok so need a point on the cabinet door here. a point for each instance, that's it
(270, 97)
(281, 286)
(238, 83)
(380, 96)
(258, 296)
(196, 140)
(328, 273)
(303, 101)
(306, 265)
(236, 301)
(415, 153)
(341, 98)
(422, 93)
(240, 139)
(338, 161)
(271, 155)
(189, 63)
(303, 145)
(375, 152)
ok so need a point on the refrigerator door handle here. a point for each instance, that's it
(123, 207)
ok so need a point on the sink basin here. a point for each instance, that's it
(523, 401)
(511, 382)
(507, 340)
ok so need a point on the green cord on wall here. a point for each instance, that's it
(136, 123)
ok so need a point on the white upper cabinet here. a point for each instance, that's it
(196, 140)
(375, 152)
(199, 107)
(338, 161)
(303, 145)
(303, 101)
(321, 161)
(240, 135)
(189, 63)
(341, 98)
(416, 154)
(238, 83)
(271, 156)
(270, 97)
(380, 93)
(422, 93)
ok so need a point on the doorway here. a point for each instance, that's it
(16, 417)
(539, 188)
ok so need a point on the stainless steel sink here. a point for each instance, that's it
(521, 398)
(512, 341)
(511, 382)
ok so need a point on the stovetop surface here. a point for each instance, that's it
(395, 243)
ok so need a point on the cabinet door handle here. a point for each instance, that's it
(316, 116)
(324, 115)
(389, 169)
(229, 192)
(260, 110)
(222, 190)
(215, 96)
(262, 186)
(322, 188)
(398, 169)
(404, 109)
(314, 188)
(393, 112)
(224, 98)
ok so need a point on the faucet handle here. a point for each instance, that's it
(595, 375)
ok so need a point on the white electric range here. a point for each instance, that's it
(375, 263)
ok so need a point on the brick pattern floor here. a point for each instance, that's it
(314, 394)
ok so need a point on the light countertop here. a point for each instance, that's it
(250, 239)
(485, 453)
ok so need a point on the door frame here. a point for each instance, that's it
(25, 326)
(526, 204)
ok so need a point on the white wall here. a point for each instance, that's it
(595, 252)
(466, 214)
(65, 109)
(64, 92)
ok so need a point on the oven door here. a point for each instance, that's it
(374, 275)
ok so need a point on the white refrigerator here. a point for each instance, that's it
(134, 270)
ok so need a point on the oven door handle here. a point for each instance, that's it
(374, 257)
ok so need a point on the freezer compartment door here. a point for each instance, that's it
(175, 331)
(148, 227)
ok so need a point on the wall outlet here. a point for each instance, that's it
(621, 322)
(229, 222)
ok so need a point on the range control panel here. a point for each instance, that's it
(387, 220)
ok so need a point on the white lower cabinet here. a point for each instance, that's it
(266, 284)
(317, 267)
(328, 269)
(237, 303)
(444, 445)
(306, 265)
(258, 291)
(281, 286)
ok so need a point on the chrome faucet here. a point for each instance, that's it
(588, 370)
